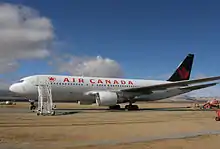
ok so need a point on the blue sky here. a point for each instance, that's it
(147, 38)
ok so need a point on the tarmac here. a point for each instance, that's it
(155, 125)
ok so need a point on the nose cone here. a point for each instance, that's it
(16, 88)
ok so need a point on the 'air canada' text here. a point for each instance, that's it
(98, 81)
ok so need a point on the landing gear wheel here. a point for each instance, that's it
(115, 107)
(33, 107)
(53, 113)
(131, 107)
(217, 118)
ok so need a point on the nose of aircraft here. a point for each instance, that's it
(16, 88)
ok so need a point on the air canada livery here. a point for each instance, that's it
(113, 91)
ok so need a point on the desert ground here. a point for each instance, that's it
(156, 125)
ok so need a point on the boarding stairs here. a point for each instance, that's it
(45, 102)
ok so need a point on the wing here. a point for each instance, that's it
(196, 87)
(164, 86)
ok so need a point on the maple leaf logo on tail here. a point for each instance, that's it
(184, 74)
(183, 70)
(52, 79)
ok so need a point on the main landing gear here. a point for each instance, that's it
(115, 107)
(131, 107)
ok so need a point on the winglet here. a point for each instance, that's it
(184, 69)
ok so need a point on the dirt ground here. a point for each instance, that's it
(201, 142)
(156, 125)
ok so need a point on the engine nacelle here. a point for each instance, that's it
(81, 102)
(106, 98)
(86, 100)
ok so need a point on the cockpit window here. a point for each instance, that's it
(20, 81)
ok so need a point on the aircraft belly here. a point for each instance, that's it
(73, 97)
(61, 94)
(67, 94)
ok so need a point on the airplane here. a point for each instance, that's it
(112, 92)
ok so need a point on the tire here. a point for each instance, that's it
(131, 107)
(53, 113)
(115, 107)
(135, 107)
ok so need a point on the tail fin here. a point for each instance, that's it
(184, 70)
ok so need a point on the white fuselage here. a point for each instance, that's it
(74, 88)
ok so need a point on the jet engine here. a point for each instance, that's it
(86, 100)
(106, 98)
(82, 102)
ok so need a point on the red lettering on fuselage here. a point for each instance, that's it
(107, 81)
(123, 82)
(116, 82)
(92, 81)
(66, 80)
(81, 80)
(98, 81)
(130, 82)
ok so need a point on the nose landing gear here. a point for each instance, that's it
(32, 105)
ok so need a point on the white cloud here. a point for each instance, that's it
(24, 34)
(88, 66)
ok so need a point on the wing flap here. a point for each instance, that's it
(170, 85)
